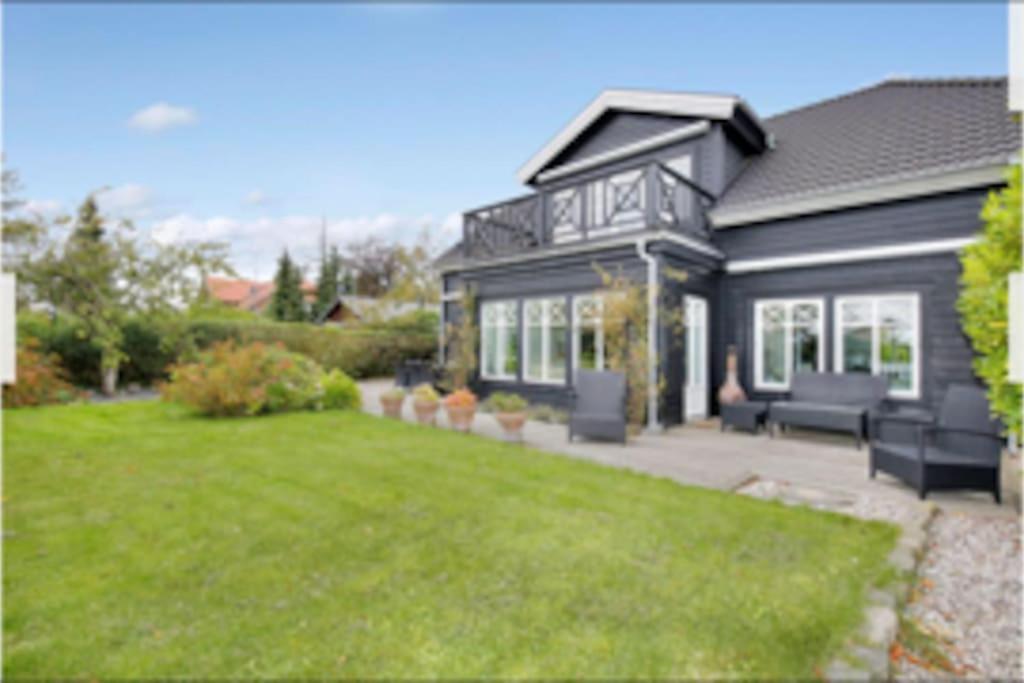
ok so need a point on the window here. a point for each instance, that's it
(788, 338)
(587, 333)
(499, 339)
(880, 335)
(544, 343)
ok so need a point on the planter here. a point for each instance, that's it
(461, 417)
(512, 425)
(426, 411)
(392, 406)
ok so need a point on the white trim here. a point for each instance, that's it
(823, 258)
(449, 297)
(599, 331)
(501, 330)
(717, 107)
(647, 144)
(788, 304)
(545, 342)
(585, 246)
(874, 299)
(653, 425)
(993, 172)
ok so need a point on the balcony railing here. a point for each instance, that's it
(650, 196)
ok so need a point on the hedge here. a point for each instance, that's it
(359, 351)
(364, 351)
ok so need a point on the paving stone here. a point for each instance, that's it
(880, 625)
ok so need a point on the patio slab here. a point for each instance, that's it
(701, 455)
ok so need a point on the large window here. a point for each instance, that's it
(588, 334)
(788, 338)
(880, 335)
(544, 343)
(499, 339)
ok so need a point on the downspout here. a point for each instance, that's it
(652, 335)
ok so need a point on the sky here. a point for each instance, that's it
(252, 124)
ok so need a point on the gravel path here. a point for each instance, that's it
(968, 597)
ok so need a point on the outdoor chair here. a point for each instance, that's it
(831, 401)
(961, 450)
(599, 406)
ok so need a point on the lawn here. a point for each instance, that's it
(140, 541)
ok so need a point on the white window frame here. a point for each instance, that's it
(874, 300)
(576, 328)
(501, 329)
(524, 341)
(789, 304)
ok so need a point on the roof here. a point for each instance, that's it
(695, 105)
(899, 129)
(251, 295)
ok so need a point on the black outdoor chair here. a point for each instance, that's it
(960, 451)
(412, 373)
(599, 406)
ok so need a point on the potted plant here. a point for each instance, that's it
(425, 402)
(461, 407)
(391, 402)
(510, 412)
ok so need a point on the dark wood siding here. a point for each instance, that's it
(931, 218)
(945, 352)
(617, 129)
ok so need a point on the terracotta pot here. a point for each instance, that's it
(731, 391)
(426, 411)
(461, 417)
(392, 406)
(512, 424)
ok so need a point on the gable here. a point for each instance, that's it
(618, 129)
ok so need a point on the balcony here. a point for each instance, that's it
(651, 196)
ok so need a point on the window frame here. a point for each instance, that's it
(599, 341)
(502, 345)
(789, 304)
(914, 393)
(524, 341)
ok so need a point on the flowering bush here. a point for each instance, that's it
(425, 393)
(340, 392)
(229, 380)
(41, 379)
(461, 398)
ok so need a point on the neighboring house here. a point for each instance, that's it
(249, 295)
(351, 308)
(824, 238)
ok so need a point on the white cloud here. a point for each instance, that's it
(162, 116)
(255, 244)
(47, 208)
(130, 200)
(256, 198)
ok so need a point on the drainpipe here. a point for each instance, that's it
(652, 335)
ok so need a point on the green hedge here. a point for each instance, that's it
(359, 352)
(364, 351)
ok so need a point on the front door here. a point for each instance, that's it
(695, 394)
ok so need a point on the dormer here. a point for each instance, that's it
(705, 136)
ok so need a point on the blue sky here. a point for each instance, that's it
(246, 123)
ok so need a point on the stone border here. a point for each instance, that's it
(866, 657)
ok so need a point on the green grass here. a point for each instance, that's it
(142, 541)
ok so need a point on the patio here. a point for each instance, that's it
(815, 464)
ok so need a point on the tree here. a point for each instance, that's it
(103, 275)
(415, 278)
(375, 264)
(328, 283)
(20, 233)
(286, 304)
(984, 293)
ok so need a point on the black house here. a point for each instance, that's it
(824, 238)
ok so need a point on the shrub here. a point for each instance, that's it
(425, 393)
(364, 351)
(229, 380)
(546, 413)
(504, 402)
(41, 379)
(394, 394)
(340, 391)
(983, 302)
(461, 398)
